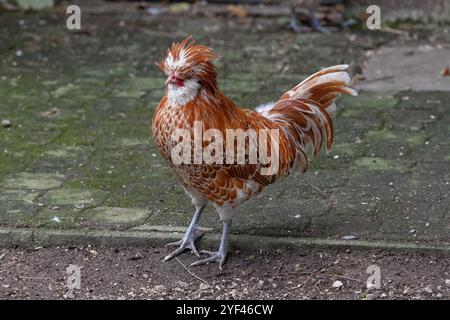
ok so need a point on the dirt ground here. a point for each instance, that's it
(140, 273)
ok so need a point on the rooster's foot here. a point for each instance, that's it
(214, 257)
(221, 255)
(183, 245)
(188, 241)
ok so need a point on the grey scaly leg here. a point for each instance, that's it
(188, 240)
(315, 23)
(220, 255)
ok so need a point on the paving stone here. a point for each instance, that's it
(395, 68)
(76, 197)
(95, 161)
(376, 163)
(114, 215)
(62, 217)
(18, 195)
(16, 214)
(36, 181)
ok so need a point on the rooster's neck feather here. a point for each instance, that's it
(179, 96)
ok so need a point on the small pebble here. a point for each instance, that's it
(204, 286)
(428, 289)
(447, 282)
(6, 123)
(371, 296)
(260, 283)
(160, 288)
(56, 219)
(371, 286)
(337, 284)
(182, 284)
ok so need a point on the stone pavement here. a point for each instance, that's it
(77, 163)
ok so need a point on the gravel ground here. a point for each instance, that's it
(139, 273)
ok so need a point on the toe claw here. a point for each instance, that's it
(210, 253)
(183, 246)
(173, 244)
(174, 253)
(214, 257)
(193, 249)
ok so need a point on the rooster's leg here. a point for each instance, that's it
(315, 23)
(221, 255)
(294, 20)
(188, 240)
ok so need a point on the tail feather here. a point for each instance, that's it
(304, 112)
(323, 87)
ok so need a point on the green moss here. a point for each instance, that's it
(65, 217)
(26, 196)
(376, 163)
(36, 181)
(416, 139)
(115, 215)
(366, 101)
(76, 197)
(16, 213)
(381, 135)
(64, 90)
(349, 150)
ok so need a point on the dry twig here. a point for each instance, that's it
(191, 273)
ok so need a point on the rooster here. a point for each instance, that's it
(302, 117)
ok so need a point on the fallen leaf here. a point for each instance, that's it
(53, 112)
(237, 10)
(179, 7)
(445, 72)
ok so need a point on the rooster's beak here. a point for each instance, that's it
(175, 80)
(171, 79)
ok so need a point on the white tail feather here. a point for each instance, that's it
(323, 87)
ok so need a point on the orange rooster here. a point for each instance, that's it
(302, 117)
